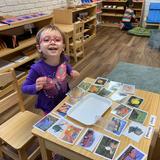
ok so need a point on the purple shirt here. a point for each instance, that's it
(42, 69)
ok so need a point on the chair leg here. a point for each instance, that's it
(22, 154)
(1, 153)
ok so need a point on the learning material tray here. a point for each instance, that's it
(90, 108)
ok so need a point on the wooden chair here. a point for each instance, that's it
(77, 45)
(15, 133)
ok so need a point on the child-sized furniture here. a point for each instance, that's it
(77, 45)
(15, 133)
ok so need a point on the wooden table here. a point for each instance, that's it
(48, 142)
(68, 31)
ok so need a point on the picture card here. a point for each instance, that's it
(149, 132)
(63, 110)
(65, 130)
(114, 86)
(118, 97)
(46, 122)
(135, 131)
(104, 92)
(101, 81)
(115, 126)
(94, 88)
(89, 139)
(138, 115)
(84, 85)
(131, 153)
(128, 88)
(134, 101)
(107, 147)
(152, 120)
(121, 111)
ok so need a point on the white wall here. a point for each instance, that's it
(20, 7)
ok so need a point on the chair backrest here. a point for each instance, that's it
(78, 32)
(9, 97)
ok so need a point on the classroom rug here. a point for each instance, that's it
(144, 77)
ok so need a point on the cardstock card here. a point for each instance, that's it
(138, 115)
(115, 126)
(149, 132)
(107, 147)
(94, 88)
(134, 101)
(62, 110)
(118, 97)
(101, 81)
(104, 92)
(128, 89)
(89, 139)
(114, 86)
(65, 131)
(152, 120)
(131, 153)
(121, 111)
(46, 122)
(135, 131)
(84, 85)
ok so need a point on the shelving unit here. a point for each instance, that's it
(113, 11)
(86, 13)
(17, 28)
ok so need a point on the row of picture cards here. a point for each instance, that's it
(102, 145)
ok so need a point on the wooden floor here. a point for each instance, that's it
(110, 46)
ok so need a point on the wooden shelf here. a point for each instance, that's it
(17, 64)
(24, 22)
(23, 44)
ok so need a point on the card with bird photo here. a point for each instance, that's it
(63, 109)
(121, 111)
(107, 147)
(101, 81)
(135, 131)
(134, 101)
(84, 85)
(131, 153)
(138, 115)
(46, 122)
(115, 126)
(94, 88)
(89, 139)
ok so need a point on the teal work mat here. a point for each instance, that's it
(144, 77)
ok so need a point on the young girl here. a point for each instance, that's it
(48, 76)
(127, 17)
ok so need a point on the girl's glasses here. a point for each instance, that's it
(49, 39)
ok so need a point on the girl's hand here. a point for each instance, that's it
(74, 74)
(40, 82)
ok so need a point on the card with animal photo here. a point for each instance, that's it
(118, 97)
(94, 88)
(46, 122)
(89, 139)
(134, 101)
(114, 86)
(107, 147)
(104, 92)
(138, 115)
(84, 85)
(128, 88)
(101, 81)
(63, 110)
(121, 111)
(65, 130)
(135, 131)
(131, 153)
(115, 126)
